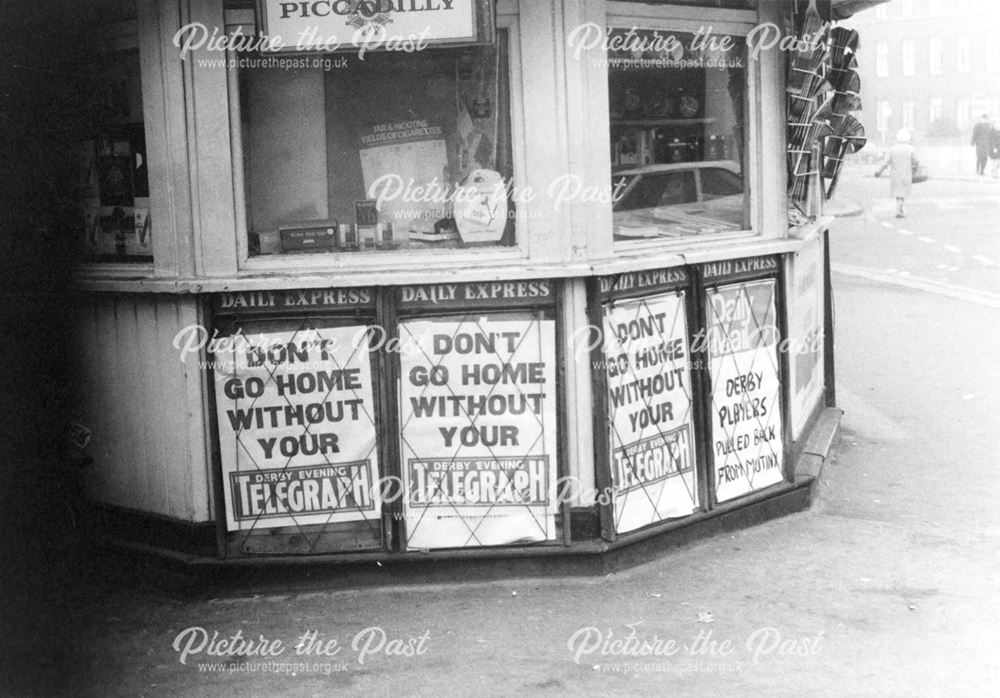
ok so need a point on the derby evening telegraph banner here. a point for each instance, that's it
(746, 391)
(649, 396)
(478, 431)
(296, 431)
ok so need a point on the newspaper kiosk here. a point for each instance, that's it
(391, 279)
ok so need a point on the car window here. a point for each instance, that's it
(662, 189)
(678, 188)
(716, 182)
(645, 192)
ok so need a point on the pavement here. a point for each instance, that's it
(888, 586)
(843, 206)
(840, 207)
(985, 178)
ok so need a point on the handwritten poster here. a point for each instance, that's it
(743, 340)
(478, 431)
(649, 397)
(296, 429)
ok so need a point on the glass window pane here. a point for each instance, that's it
(112, 184)
(398, 151)
(716, 182)
(677, 117)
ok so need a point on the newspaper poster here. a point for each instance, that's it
(649, 397)
(478, 431)
(747, 449)
(296, 428)
(805, 329)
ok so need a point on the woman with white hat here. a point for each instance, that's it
(903, 160)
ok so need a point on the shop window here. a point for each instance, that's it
(399, 151)
(112, 185)
(677, 134)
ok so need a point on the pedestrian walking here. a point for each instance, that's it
(902, 160)
(995, 152)
(982, 138)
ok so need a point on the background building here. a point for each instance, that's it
(929, 65)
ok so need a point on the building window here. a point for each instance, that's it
(934, 56)
(677, 138)
(963, 113)
(908, 67)
(906, 8)
(908, 108)
(408, 151)
(992, 56)
(963, 55)
(881, 13)
(936, 109)
(881, 59)
(882, 114)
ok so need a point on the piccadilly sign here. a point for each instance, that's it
(373, 25)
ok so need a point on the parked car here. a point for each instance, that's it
(679, 199)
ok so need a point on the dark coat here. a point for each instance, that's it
(982, 138)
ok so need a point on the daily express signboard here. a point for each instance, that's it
(373, 25)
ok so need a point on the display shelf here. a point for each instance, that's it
(663, 122)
